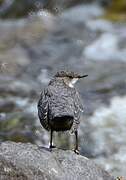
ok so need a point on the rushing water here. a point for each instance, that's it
(109, 133)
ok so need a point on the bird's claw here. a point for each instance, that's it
(51, 147)
(76, 151)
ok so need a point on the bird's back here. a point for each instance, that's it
(60, 106)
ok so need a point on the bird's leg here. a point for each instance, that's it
(51, 137)
(76, 143)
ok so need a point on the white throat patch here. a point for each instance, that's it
(72, 82)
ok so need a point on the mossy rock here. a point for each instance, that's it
(116, 11)
(1, 1)
(18, 128)
(118, 6)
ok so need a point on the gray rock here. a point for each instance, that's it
(27, 161)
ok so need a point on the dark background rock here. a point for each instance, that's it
(18, 9)
(58, 6)
(27, 161)
(117, 11)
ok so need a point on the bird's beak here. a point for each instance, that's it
(83, 76)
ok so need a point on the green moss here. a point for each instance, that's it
(118, 6)
(115, 17)
(117, 11)
(9, 124)
(1, 1)
(18, 127)
(20, 138)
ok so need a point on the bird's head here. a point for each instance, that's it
(69, 78)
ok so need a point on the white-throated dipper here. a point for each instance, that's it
(59, 106)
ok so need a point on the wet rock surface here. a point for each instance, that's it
(27, 161)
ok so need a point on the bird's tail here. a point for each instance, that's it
(62, 123)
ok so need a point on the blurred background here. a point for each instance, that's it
(40, 37)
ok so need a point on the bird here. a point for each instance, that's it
(60, 106)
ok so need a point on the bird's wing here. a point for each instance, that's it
(77, 112)
(78, 102)
(43, 107)
(78, 106)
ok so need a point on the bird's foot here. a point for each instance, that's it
(76, 151)
(51, 147)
